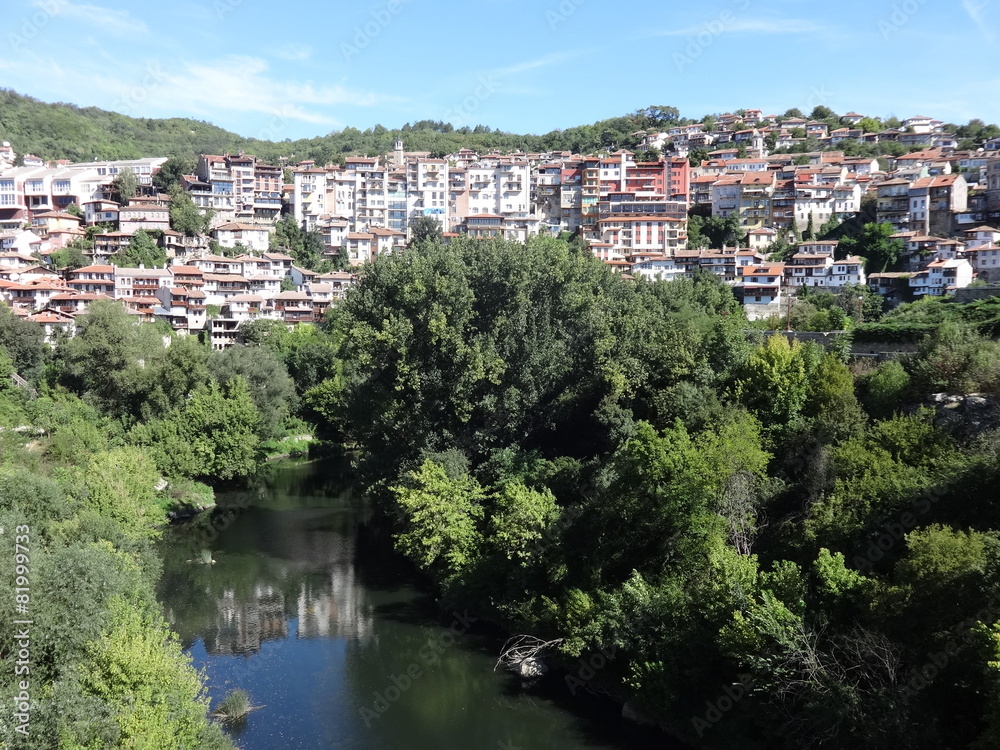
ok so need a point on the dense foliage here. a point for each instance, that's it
(618, 465)
(104, 669)
(614, 463)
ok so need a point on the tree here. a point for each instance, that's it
(185, 216)
(72, 256)
(660, 116)
(75, 210)
(23, 341)
(139, 672)
(870, 125)
(307, 248)
(171, 171)
(723, 231)
(439, 516)
(125, 186)
(696, 156)
(875, 246)
(793, 112)
(821, 112)
(774, 384)
(882, 391)
(810, 232)
(829, 226)
(105, 362)
(273, 392)
(214, 437)
(424, 229)
(956, 359)
(142, 250)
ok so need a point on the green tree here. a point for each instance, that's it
(72, 256)
(870, 125)
(696, 156)
(138, 670)
(185, 216)
(75, 210)
(273, 392)
(23, 341)
(213, 437)
(882, 391)
(105, 362)
(125, 186)
(439, 517)
(956, 359)
(822, 113)
(142, 250)
(875, 246)
(170, 172)
(775, 381)
(425, 228)
(810, 232)
(307, 248)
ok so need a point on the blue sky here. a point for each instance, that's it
(297, 69)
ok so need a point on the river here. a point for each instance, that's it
(309, 610)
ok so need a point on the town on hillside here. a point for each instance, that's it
(641, 213)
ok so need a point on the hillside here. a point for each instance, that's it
(65, 131)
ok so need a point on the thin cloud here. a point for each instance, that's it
(118, 22)
(542, 62)
(976, 9)
(243, 84)
(294, 52)
(751, 25)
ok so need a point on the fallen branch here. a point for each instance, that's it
(520, 648)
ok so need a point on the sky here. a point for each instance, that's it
(299, 68)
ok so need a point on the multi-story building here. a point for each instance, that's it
(893, 205)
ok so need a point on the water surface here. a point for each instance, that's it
(309, 610)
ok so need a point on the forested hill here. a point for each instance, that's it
(65, 131)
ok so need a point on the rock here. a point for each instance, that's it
(531, 668)
(631, 713)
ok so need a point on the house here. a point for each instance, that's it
(96, 279)
(893, 204)
(233, 234)
(934, 201)
(942, 277)
(149, 216)
(55, 324)
(140, 284)
(294, 307)
(888, 284)
(100, 211)
(659, 268)
(847, 272)
(184, 309)
(980, 236)
(761, 238)
(339, 282)
(808, 270)
(761, 283)
(985, 260)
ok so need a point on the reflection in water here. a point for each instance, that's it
(308, 609)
